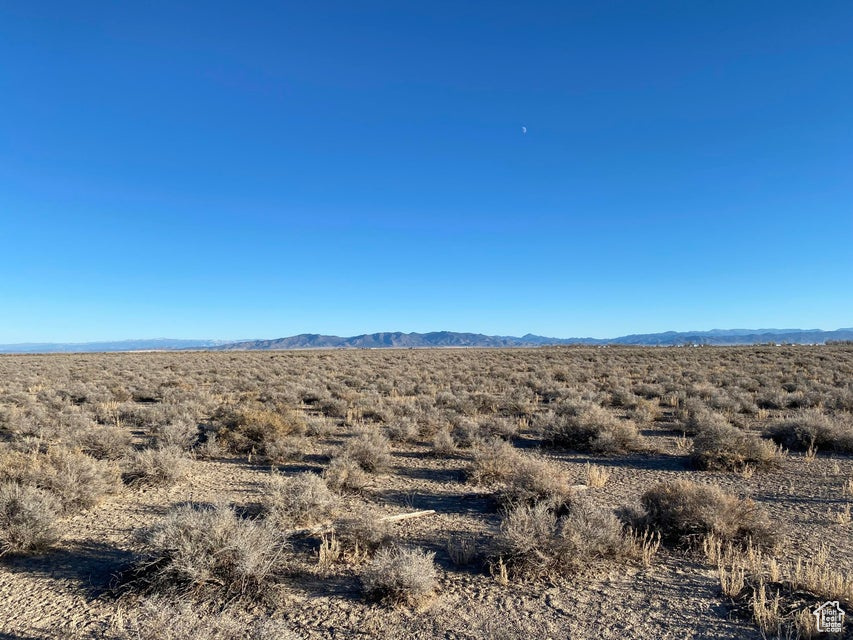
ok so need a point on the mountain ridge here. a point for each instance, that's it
(442, 339)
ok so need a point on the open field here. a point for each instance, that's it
(577, 493)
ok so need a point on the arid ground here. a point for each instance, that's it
(577, 493)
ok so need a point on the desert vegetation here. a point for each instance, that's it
(425, 493)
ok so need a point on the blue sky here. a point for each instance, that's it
(243, 170)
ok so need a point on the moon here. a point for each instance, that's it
(524, 130)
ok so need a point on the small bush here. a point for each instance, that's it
(443, 443)
(536, 542)
(593, 428)
(684, 512)
(247, 430)
(812, 428)
(159, 466)
(726, 447)
(284, 449)
(106, 442)
(210, 549)
(400, 575)
(369, 449)
(519, 478)
(77, 480)
(27, 519)
(363, 533)
(345, 475)
(180, 433)
(298, 501)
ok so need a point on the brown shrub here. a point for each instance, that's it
(728, 448)
(684, 512)
(247, 430)
(519, 478)
(813, 428)
(363, 533)
(536, 542)
(592, 428)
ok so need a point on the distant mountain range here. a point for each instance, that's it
(445, 339)
(116, 345)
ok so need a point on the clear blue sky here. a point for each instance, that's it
(259, 169)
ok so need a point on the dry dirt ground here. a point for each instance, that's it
(70, 589)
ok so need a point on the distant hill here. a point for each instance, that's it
(401, 340)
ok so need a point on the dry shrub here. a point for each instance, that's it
(369, 449)
(27, 519)
(684, 512)
(106, 442)
(284, 449)
(519, 478)
(400, 575)
(726, 447)
(592, 428)
(363, 533)
(698, 418)
(403, 430)
(159, 619)
(158, 466)
(443, 443)
(345, 475)
(247, 430)
(198, 549)
(536, 542)
(812, 428)
(179, 433)
(77, 480)
(297, 501)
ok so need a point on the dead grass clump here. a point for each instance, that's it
(345, 475)
(159, 619)
(779, 598)
(400, 575)
(297, 501)
(728, 448)
(369, 449)
(158, 466)
(812, 428)
(592, 428)
(197, 549)
(684, 512)
(27, 519)
(536, 542)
